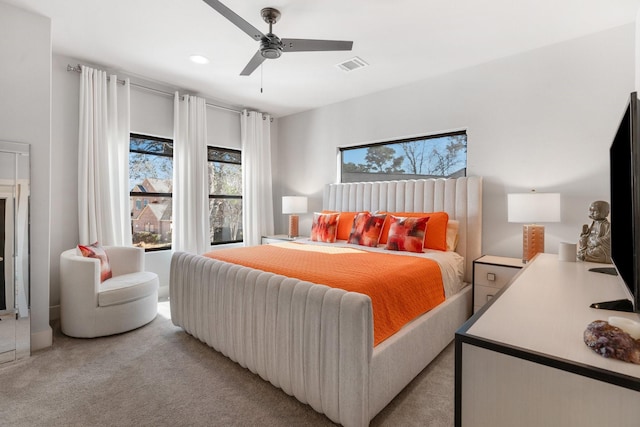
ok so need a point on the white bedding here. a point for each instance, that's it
(451, 263)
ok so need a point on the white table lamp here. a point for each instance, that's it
(293, 205)
(533, 208)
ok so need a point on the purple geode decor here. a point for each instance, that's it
(612, 342)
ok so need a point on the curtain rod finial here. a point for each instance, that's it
(77, 68)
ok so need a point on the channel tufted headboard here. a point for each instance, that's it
(461, 198)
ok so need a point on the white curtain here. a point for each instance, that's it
(257, 199)
(190, 217)
(103, 160)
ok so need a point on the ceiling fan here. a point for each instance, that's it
(271, 46)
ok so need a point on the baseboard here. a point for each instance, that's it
(42, 339)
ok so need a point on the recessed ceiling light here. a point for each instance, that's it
(199, 59)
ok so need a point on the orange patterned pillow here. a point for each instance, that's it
(94, 250)
(324, 227)
(406, 234)
(366, 229)
(436, 237)
(344, 224)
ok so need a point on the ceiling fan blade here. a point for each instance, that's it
(308, 45)
(253, 64)
(239, 22)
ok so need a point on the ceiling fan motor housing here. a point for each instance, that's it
(271, 46)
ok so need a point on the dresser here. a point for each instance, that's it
(521, 359)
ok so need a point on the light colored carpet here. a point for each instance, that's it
(160, 376)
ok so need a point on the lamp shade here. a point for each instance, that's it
(294, 204)
(533, 207)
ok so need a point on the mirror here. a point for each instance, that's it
(14, 251)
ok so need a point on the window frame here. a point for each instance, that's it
(147, 195)
(341, 151)
(211, 158)
(237, 152)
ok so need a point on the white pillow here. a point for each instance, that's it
(452, 234)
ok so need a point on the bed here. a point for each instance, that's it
(316, 342)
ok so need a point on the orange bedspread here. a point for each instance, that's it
(400, 287)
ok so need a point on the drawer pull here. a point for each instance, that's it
(489, 297)
(491, 277)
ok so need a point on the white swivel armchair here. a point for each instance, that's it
(126, 301)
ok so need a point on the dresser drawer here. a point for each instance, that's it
(483, 294)
(495, 276)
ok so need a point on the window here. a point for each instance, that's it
(225, 195)
(150, 175)
(443, 155)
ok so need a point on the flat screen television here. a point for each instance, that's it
(624, 158)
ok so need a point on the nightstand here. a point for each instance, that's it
(279, 238)
(490, 274)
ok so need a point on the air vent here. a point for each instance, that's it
(352, 64)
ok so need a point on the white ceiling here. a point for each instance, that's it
(402, 40)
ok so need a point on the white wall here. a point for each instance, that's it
(25, 116)
(542, 119)
(151, 114)
(64, 166)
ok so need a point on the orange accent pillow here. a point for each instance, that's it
(345, 224)
(406, 234)
(94, 250)
(324, 227)
(366, 229)
(436, 236)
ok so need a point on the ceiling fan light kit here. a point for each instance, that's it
(271, 46)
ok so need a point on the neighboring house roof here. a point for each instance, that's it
(166, 216)
(162, 211)
(159, 185)
(154, 185)
(158, 208)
